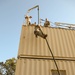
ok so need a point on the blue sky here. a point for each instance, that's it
(12, 17)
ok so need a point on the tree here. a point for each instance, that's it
(1, 68)
(8, 68)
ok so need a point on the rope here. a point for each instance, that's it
(49, 49)
(53, 57)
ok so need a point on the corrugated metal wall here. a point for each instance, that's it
(43, 67)
(61, 41)
(33, 54)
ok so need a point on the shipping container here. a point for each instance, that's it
(61, 41)
(43, 67)
(34, 57)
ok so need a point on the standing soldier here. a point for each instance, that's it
(47, 23)
(28, 19)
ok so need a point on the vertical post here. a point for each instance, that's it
(38, 15)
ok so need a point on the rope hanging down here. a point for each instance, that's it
(38, 32)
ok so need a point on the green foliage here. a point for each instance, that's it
(8, 68)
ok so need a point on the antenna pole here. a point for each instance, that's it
(38, 15)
